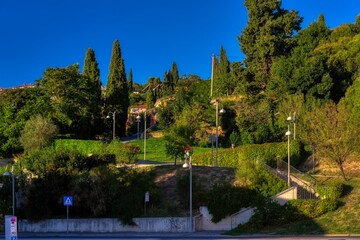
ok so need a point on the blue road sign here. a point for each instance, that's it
(68, 201)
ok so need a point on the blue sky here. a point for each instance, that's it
(36, 34)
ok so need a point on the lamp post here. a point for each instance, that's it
(293, 119)
(222, 110)
(138, 127)
(113, 118)
(145, 135)
(189, 165)
(6, 174)
(288, 134)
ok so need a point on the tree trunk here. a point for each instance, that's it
(342, 170)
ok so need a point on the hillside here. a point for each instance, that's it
(168, 176)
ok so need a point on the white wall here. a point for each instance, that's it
(176, 224)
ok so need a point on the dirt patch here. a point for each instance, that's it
(205, 178)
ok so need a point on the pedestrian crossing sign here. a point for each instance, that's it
(68, 201)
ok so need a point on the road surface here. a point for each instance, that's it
(158, 236)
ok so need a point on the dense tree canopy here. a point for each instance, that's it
(268, 35)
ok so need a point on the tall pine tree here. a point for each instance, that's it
(117, 93)
(268, 35)
(175, 73)
(130, 81)
(92, 72)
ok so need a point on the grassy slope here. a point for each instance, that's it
(345, 220)
(155, 150)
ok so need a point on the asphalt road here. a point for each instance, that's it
(156, 236)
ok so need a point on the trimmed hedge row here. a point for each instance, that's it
(267, 153)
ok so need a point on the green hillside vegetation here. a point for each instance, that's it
(64, 134)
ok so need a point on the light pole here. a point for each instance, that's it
(222, 110)
(6, 174)
(138, 128)
(293, 119)
(189, 165)
(145, 135)
(113, 118)
(288, 134)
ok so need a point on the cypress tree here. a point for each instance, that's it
(168, 84)
(117, 93)
(130, 81)
(174, 73)
(92, 72)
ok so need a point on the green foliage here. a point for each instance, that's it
(37, 133)
(100, 191)
(234, 139)
(255, 121)
(269, 213)
(16, 107)
(117, 93)
(92, 71)
(268, 35)
(179, 137)
(224, 200)
(72, 100)
(335, 133)
(331, 190)
(223, 81)
(123, 152)
(312, 208)
(267, 153)
(259, 179)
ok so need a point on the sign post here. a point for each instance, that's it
(147, 199)
(10, 227)
(68, 201)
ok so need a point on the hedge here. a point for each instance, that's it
(267, 153)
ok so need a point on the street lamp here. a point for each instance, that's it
(189, 165)
(222, 110)
(293, 119)
(113, 118)
(138, 128)
(145, 135)
(6, 174)
(288, 134)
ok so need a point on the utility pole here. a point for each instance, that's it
(212, 74)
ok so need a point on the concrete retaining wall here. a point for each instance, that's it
(176, 224)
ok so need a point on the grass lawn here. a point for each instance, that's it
(155, 150)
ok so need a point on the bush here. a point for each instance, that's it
(125, 153)
(312, 208)
(259, 179)
(267, 153)
(269, 213)
(224, 200)
(332, 190)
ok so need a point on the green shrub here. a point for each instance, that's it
(125, 153)
(312, 208)
(267, 153)
(224, 200)
(268, 213)
(259, 179)
(332, 190)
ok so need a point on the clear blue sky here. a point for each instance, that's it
(36, 34)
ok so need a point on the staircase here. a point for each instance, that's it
(305, 183)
